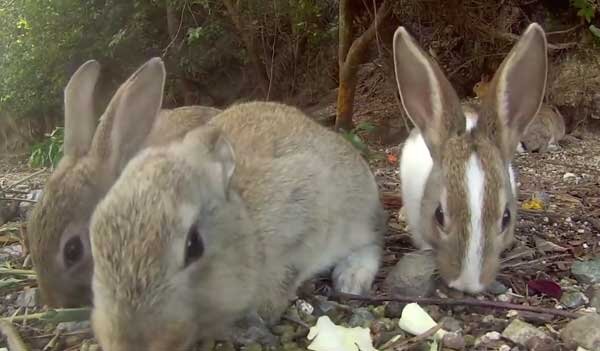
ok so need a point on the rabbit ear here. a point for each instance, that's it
(427, 96)
(223, 159)
(516, 92)
(80, 121)
(133, 111)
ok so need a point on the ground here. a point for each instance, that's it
(540, 274)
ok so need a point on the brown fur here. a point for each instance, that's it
(77, 185)
(257, 181)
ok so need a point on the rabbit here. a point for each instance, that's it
(196, 235)
(58, 224)
(457, 181)
(544, 132)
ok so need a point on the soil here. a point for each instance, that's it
(567, 181)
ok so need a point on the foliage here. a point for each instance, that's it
(353, 136)
(48, 152)
(585, 9)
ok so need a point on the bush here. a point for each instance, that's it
(48, 152)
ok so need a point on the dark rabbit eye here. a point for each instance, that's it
(194, 248)
(73, 251)
(505, 219)
(439, 216)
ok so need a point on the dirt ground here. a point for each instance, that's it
(549, 241)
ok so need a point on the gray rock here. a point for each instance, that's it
(412, 275)
(451, 324)
(497, 288)
(520, 332)
(573, 299)
(594, 296)
(361, 317)
(28, 298)
(584, 331)
(587, 272)
(68, 327)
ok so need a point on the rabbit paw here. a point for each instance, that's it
(355, 273)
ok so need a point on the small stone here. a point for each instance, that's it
(504, 298)
(28, 298)
(542, 344)
(413, 275)
(594, 296)
(488, 319)
(69, 327)
(520, 332)
(304, 307)
(393, 309)
(573, 299)
(379, 311)
(584, 331)
(490, 336)
(504, 347)
(497, 288)
(569, 176)
(587, 272)
(361, 317)
(454, 341)
(451, 324)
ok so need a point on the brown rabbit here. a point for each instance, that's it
(58, 226)
(457, 181)
(198, 234)
(544, 132)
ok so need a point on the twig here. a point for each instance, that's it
(296, 321)
(402, 344)
(16, 271)
(459, 302)
(17, 199)
(13, 339)
(565, 31)
(25, 179)
(546, 258)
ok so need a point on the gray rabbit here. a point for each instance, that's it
(58, 226)
(198, 234)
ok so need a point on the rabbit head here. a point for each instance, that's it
(465, 205)
(193, 271)
(93, 157)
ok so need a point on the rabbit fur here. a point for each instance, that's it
(457, 182)
(58, 225)
(273, 198)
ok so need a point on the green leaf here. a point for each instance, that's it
(66, 315)
(595, 30)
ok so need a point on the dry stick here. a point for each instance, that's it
(14, 340)
(460, 302)
(402, 344)
(25, 179)
(17, 199)
(518, 264)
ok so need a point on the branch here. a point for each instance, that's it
(25, 179)
(459, 302)
(513, 38)
(13, 339)
(345, 32)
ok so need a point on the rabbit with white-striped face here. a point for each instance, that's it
(458, 185)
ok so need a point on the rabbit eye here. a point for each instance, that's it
(194, 248)
(439, 216)
(73, 251)
(505, 219)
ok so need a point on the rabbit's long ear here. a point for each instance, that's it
(131, 114)
(80, 122)
(427, 96)
(516, 92)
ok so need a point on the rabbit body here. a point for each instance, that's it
(546, 130)
(458, 186)
(58, 225)
(275, 198)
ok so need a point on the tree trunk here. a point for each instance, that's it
(350, 61)
(247, 37)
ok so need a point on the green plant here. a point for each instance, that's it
(48, 152)
(355, 139)
(585, 9)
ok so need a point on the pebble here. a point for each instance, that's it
(584, 331)
(573, 299)
(542, 344)
(413, 275)
(451, 324)
(497, 288)
(594, 296)
(361, 317)
(520, 332)
(69, 327)
(587, 272)
(29, 297)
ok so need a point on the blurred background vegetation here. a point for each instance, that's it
(221, 51)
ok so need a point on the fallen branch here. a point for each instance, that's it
(13, 339)
(25, 179)
(16, 199)
(459, 302)
(403, 344)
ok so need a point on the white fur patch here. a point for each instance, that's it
(471, 118)
(415, 166)
(469, 278)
